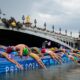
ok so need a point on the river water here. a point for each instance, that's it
(59, 72)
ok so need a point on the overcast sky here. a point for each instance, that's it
(60, 13)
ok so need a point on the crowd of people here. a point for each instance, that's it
(37, 54)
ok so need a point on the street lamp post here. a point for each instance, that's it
(60, 30)
(23, 18)
(71, 34)
(45, 26)
(66, 32)
(0, 13)
(53, 28)
(4, 15)
(35, 22)
(79, 34)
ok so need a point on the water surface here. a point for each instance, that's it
(60, 72)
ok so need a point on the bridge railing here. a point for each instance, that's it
(47, 35)
(44, 34)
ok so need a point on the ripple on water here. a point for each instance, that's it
(60, 72)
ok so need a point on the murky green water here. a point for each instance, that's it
(60, 72)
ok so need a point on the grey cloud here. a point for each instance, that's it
(67, 18)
